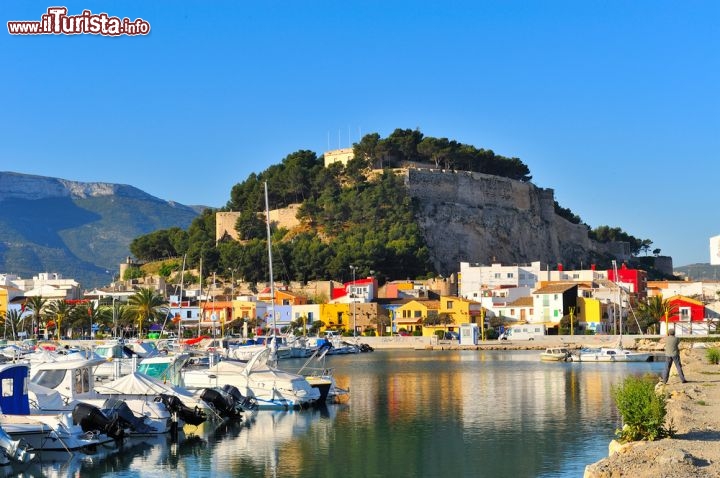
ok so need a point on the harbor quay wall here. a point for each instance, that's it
(646, 342)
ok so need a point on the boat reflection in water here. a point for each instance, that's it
(255, 443)
(411, 413)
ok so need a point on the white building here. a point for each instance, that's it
(475, 277)
(48, 285)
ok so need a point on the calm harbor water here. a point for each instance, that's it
(411, 413)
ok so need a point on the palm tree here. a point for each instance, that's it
(655, 309)
(12, 317)
(36, 304)
(146, 304)
(59, 310)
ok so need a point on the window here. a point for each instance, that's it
(188, 315)
(684, 314)
(339, 318)
(49, 378)
(7, 387)
(449, 304)
(309, 316)
(510, 275)
(417, 314)
(497, 275)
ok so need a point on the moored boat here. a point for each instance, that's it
(556, 354)
(611, 354)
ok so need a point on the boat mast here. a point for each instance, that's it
(180, 297)
(619, 302)
(270, 269)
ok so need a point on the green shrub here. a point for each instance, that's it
(713, 355)
(643, 411)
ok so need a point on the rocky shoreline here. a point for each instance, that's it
(694, 449)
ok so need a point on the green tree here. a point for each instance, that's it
(12, 319)
(653, 310)
(58, 311)
(144, 306)
(36, 305)
(250, 225)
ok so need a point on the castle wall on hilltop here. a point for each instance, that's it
(474, 217)
(225, 221)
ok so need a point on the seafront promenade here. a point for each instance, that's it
(645, 342)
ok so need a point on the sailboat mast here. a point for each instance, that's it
(270, 263)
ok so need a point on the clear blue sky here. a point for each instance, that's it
(613, 104)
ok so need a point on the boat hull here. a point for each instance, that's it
(612, 355)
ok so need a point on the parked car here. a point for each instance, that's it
(452, 336)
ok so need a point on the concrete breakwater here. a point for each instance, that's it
(646, 342)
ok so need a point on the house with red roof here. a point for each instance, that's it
(688, 317)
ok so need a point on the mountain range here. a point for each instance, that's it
(81, 230)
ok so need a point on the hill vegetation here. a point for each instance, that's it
(359, 214)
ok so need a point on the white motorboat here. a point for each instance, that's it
(121, 357)
(60, 386)
(322, 377)
(271, 387)
(556, 354)
(83, 429)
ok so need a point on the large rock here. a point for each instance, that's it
(474, 217)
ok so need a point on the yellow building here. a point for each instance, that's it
(336, 317)
(590, 314)
(411, 316)
(3, 301)
(460, 311)
(343, 156)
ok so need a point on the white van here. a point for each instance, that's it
(524, 332)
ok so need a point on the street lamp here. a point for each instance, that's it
(232, 284)
(114, 313)
(353, 268)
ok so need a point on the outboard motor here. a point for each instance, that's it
(188, 415)
(118, 410)
(90, 418)
(18, 450)
(222, 401)
(247, 403)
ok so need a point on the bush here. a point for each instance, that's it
(643, 411)
(713, 355)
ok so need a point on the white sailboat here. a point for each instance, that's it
(617, 353)
(259, 377)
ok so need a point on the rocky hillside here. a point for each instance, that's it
(474, 217)
(78, 229)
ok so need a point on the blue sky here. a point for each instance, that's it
(613, 104)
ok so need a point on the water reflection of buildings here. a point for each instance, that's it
(488, 390)
(270, 441)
